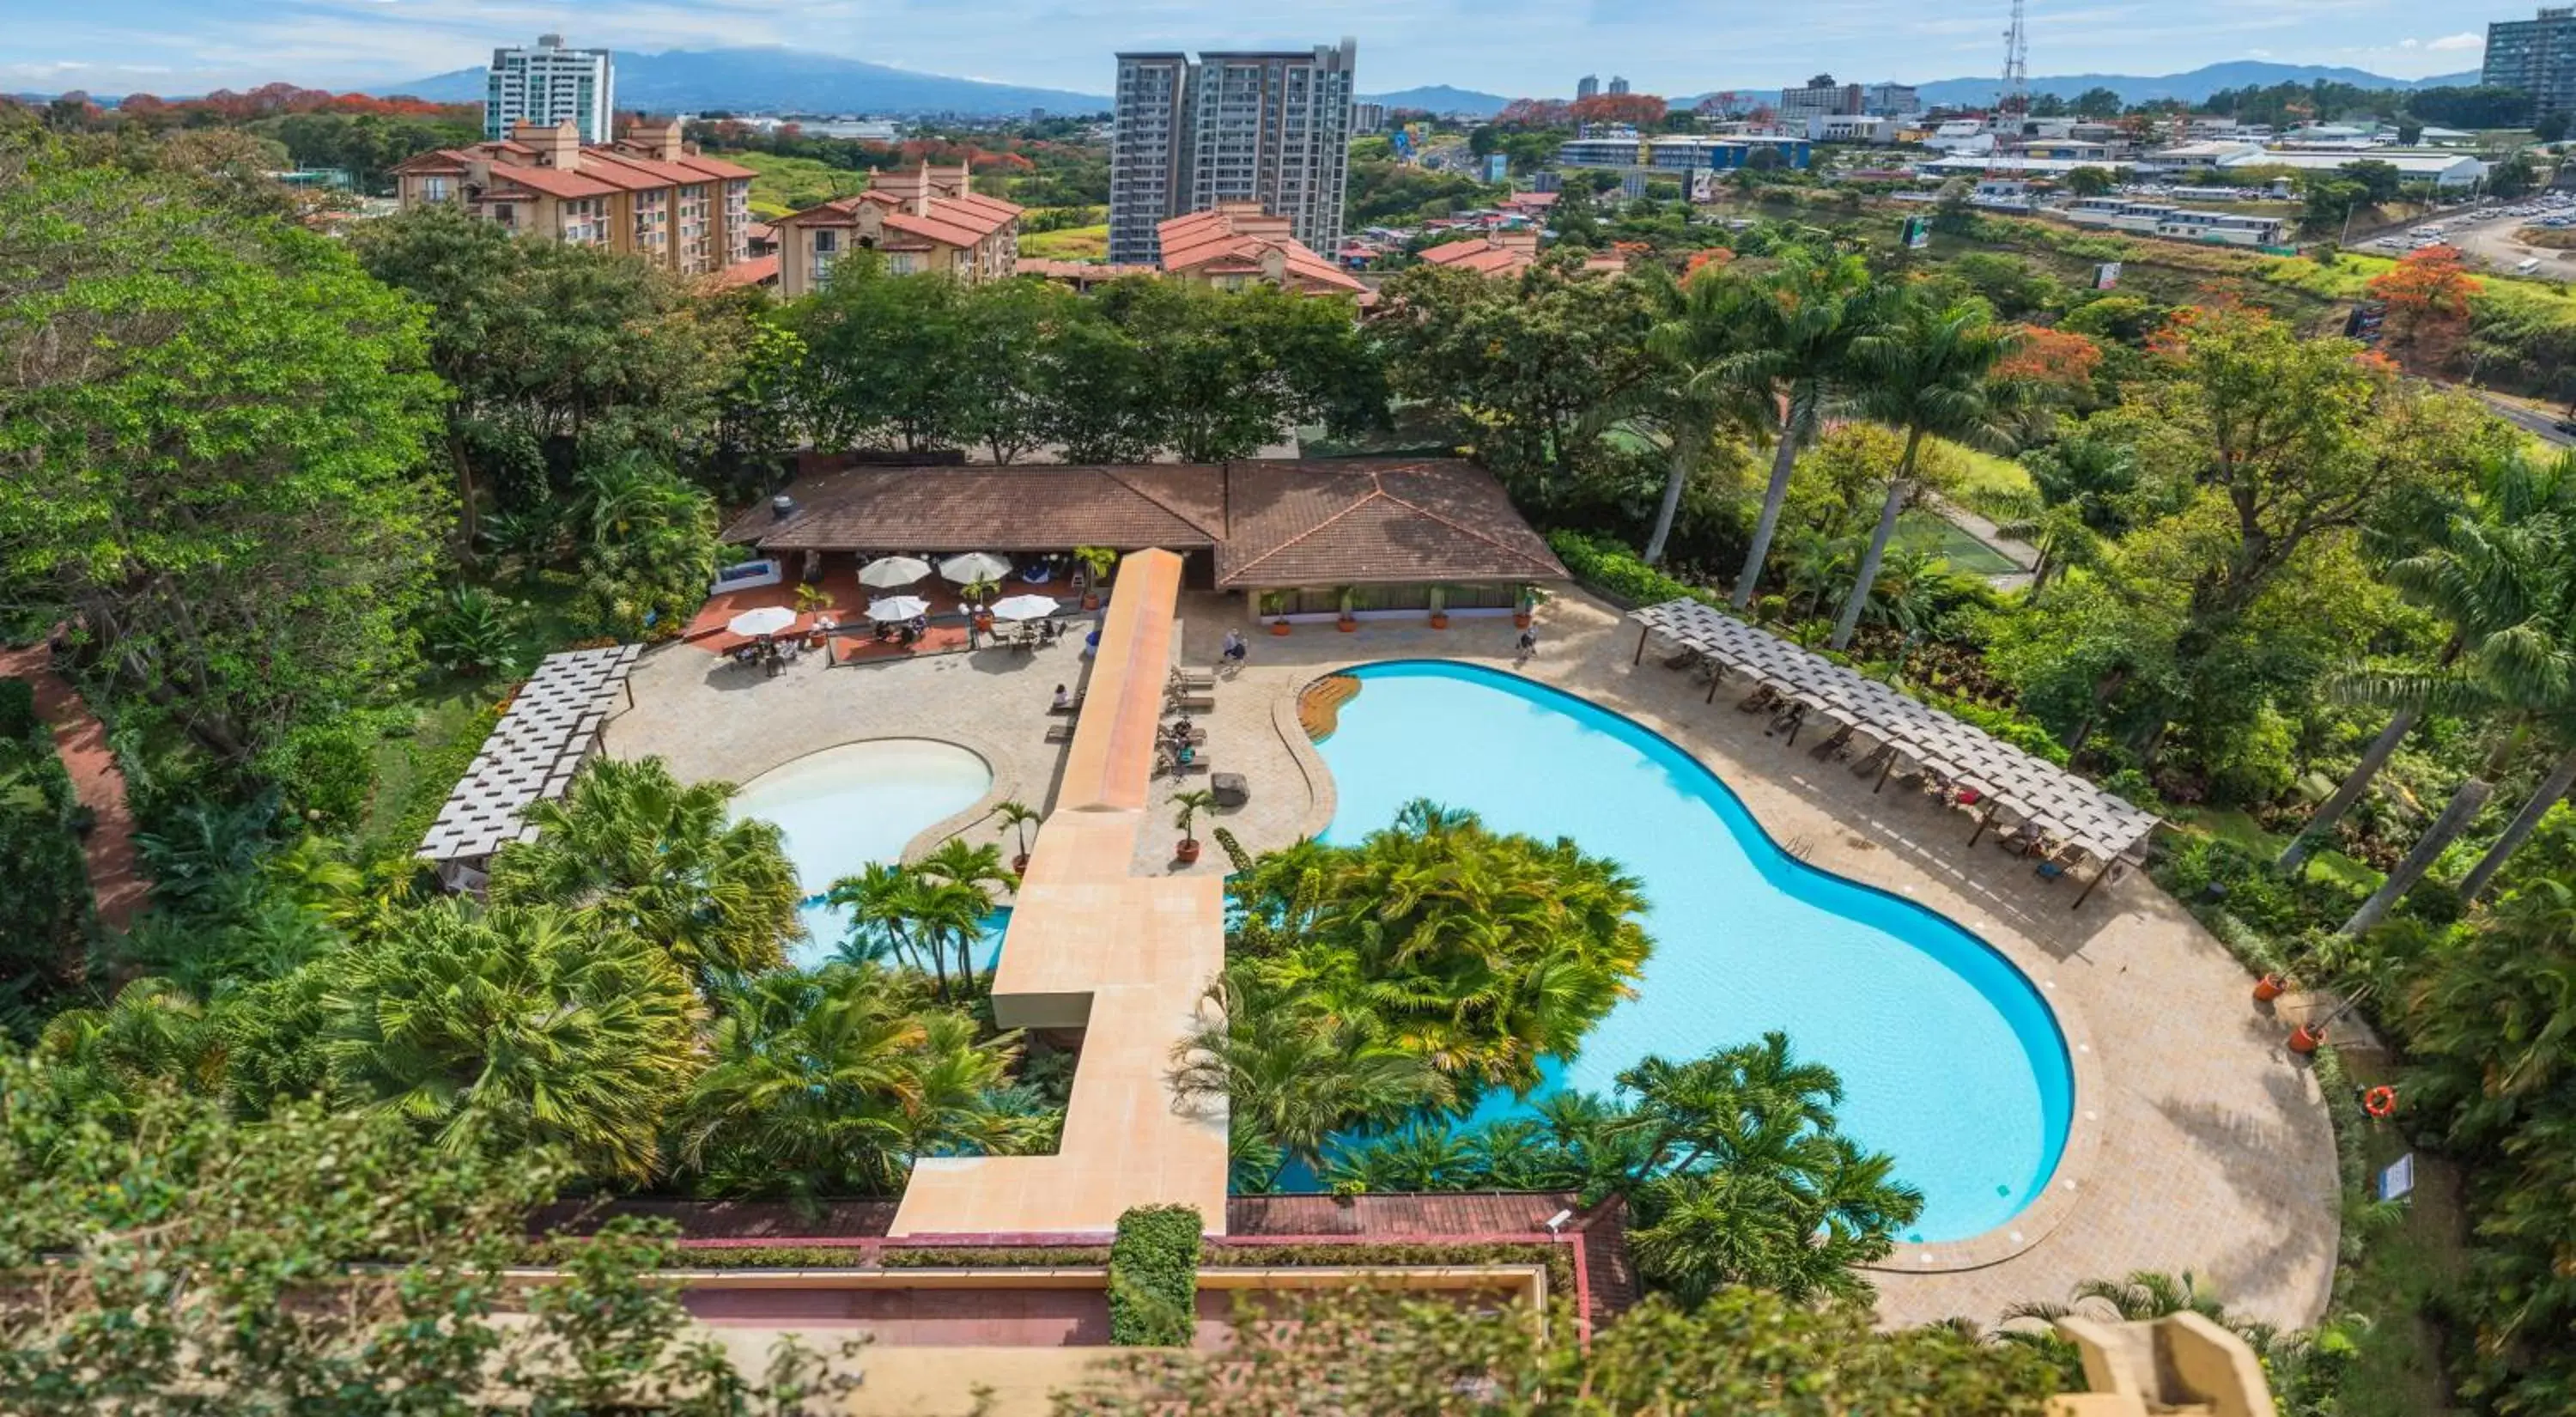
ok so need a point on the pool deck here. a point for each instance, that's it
(2207, 1148)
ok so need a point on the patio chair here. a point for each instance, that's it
(1787, 721)
(1762, 697)
(1834, 748)
(1873, 760)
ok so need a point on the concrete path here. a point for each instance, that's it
(115, 878)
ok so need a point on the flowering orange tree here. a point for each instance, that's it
(2059, 359)
(2427, 295)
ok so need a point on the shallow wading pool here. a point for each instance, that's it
(1950, 1060)
(842, 808)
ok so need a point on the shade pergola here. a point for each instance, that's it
(2059, 803)
(553, 722)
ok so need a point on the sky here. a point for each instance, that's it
(1512, 47)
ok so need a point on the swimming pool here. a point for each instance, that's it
(844, 807)
(1950, 1060)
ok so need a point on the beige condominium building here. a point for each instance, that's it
(646, 193)
(929, 220)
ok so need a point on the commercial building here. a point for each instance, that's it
(1618, 84)
(1368, 116)
(2447, 171)
(1891, 100)
(1681, 153)
(928, 221)
(1271, 128)
(547, 85)
(2180, 223)
(1851, 128)
(1820, 97)
(1589, 86)
(2537, 56)
(646, 193)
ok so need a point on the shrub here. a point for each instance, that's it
(1609, 567)
(17, 709)
(471, 634)
(325, 768)
(1154, 1277)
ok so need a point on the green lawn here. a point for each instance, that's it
(1072, 243)
(1920, 530)
(2229, 824)
(786, 184)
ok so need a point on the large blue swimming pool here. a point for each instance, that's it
(1950, 1060)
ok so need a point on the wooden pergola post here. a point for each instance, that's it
(2098, 878)
(1884, 770)
(1640, 656)
(1984, 819)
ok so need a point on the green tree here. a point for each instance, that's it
(312, 1261)
(1238, 370)
(1931, 371)
(648, 544)
(886, 358)
(2099, 102)
(1698, 391)
(1008, 325)
(832, 1083)
(635, 852)
(1798, 325)
(524, 1026)
(2090, 181)
(210, 435)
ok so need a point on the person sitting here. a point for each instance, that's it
(884, 630)
(1235, 649)
(919, 625)
(1063, 699)
(1179, 729)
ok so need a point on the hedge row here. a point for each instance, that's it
(1154, 1277)
(1607, 566)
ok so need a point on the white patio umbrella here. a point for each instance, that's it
(974, 566)
(897, 607)
(1025, 607)
(887, 572)
(764, 620)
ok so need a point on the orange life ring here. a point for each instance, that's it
(2379, 1101)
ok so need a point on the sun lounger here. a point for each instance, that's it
(1193, 678)
(1762, 697)
(1189, 702)
(1059, 732)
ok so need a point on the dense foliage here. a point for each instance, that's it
(1154, 1277)
(1742, 1351)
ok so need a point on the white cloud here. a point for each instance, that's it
(2465, 39)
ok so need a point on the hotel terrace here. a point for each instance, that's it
(927, 221)
(646, 194)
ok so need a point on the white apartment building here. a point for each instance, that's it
(547, 85)
(1270, 127)
(2178, 223)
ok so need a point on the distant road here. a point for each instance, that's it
(2541, 424)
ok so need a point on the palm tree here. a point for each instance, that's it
(2553, 789)
(1702, 388)
(2522, 678)
(152, 1035)
(878, 902)
(636, 852)
(1291, 1077)
(1191, 803)
(1797, 326)
(957, 915)
(831, 1083)
(1931, 372)
(515, 1028)
(1018, 817)
(2483, 571)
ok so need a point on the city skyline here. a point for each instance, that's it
(174, 47)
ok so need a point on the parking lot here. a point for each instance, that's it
(2487, 235)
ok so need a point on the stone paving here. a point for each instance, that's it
(2209, 1145)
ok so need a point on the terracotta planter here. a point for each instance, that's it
(984, 624)
(2304, 1040)
(1520, 619)
(1186, 852)
(1440, 619)
(1020, 864)
(1279, 626)
(1346, 624)
(1091, 600)
(2268, 988)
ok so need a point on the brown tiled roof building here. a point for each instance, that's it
(1238, 243)
(646, 194)
(931, 220)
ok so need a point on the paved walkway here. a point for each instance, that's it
(2213, 1151)
(116, 881)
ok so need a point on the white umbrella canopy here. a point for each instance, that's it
(764, 620)
(886, 572)
(897, 607)
(1025, 607)
(974, 566)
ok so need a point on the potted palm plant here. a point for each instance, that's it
(1191, 804)
(1531, 598)
(1274, 604)
(1016, 818)
(1349, 602)
(1099, 561)
(1439, 608)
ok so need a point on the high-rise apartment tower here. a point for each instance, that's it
(2537, 56)
(1272, 127)
(547, 85)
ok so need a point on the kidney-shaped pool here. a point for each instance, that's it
(1950, 1060)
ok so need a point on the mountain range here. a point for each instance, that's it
(2191, 87)
(775, 79)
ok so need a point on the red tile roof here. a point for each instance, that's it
(756, 270)
(1177, 506)
(1374, 520)
(1610, 1283)
(715, 167)
(1481, 256)
(1224, 242)
(952, 221)
(637, 173)
(551, 181)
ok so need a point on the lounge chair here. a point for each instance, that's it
(1834, 748)
(1787, 721)
(1762, 697)
(1193, 701)
(1059, 733)
(1683, 660)
(1873, 760)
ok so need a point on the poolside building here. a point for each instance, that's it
(1381, 538)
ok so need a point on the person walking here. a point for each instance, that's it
(1527, 646)
(1236, 651)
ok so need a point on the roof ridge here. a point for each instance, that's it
(1118, 475)
(1402, 501)
(1376, 490)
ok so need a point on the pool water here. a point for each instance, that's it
(845, 807)
(1950, 1060)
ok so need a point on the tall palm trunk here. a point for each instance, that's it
(1877, 552)
(1784, 460)
(2321, 823)
(2465, 805)
(1687, 438)
(2552, 789)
